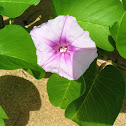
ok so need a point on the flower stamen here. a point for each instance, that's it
(63, 49)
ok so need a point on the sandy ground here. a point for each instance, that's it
(26, 102)
(24, 98)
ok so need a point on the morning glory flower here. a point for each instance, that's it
(63, 47)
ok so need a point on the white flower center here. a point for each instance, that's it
(63, 50)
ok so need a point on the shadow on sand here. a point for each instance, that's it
(18, 97)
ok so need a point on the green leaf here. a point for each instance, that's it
(14, 8)
(1, 8)
(61, 91)
(2, 122)
(118, 32)
(3, 114)
(94, 16)
(114, 30)
(17, 50)
(124, 3)
(36, 74)
(102, 100)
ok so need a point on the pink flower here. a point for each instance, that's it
(63, 47)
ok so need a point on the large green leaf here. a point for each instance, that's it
(118, 31)
(61, 91)
(102, 100)
(94, 16)
(2, 116)
(14, 8)
(17, 50)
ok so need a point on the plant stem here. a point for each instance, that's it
(11, 21)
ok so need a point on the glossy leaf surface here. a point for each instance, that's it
(94, 16)
(17, 50)
(62, 91)
(118, 31)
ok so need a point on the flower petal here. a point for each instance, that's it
(41, 44)
(61, 65)
(73, 29)
(65, 67)
(75, 34)
(52, 66)
(84, 41)
(43, 57)
(82, 60)
(51, 30)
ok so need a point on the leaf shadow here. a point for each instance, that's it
(18, 97)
